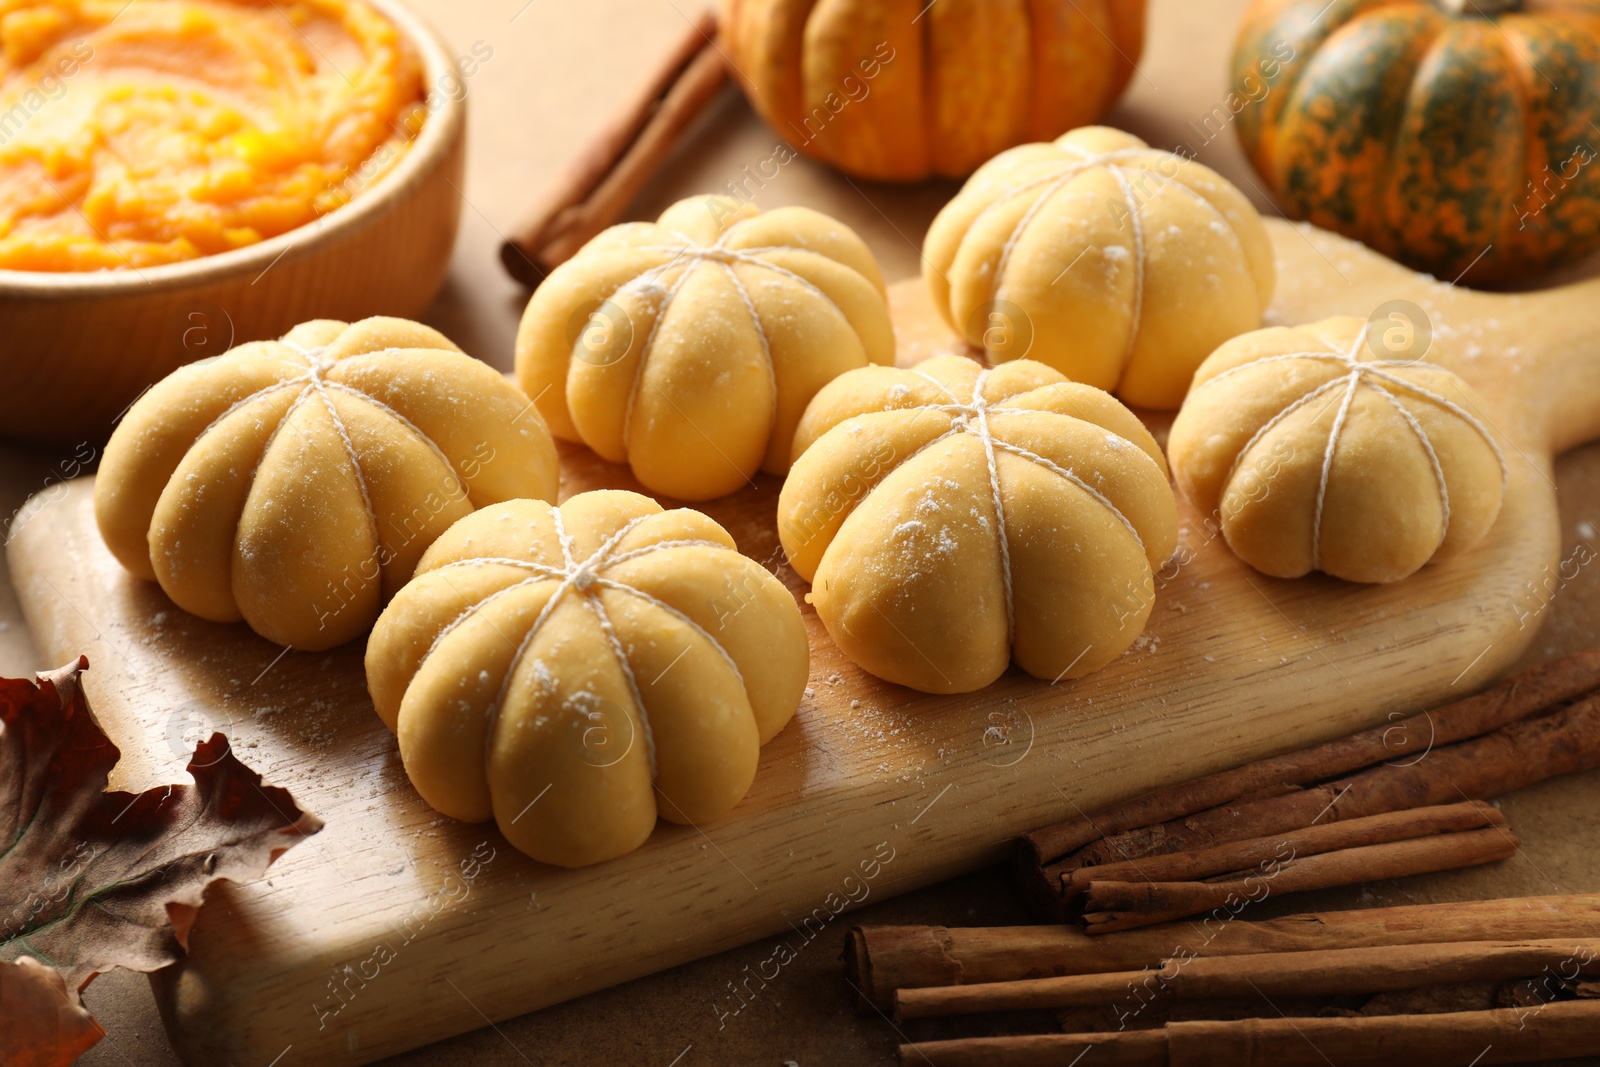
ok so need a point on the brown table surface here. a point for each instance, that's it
(558, 67)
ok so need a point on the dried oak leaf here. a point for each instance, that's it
(90, 879)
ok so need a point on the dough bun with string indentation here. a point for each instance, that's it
(295, 483)
(1316, 452)
(688, 347)
(1120, 265)
(951, 518)
(575, 672)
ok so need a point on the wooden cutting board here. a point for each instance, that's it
(395, 927)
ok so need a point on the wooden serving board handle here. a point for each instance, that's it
(1560, 387)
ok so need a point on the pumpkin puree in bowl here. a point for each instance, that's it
(139, 133)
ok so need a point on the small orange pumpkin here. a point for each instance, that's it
(902, 90)
(1457, 136)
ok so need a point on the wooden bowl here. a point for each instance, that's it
(78, 348)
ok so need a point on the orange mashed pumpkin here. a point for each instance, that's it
(152, 131)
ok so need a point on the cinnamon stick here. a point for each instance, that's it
(601, 182)
(1316, 973)
(1505, 1035)
(1110, 906)
(1513, 756)
(882, 959)
(1275, 849)
(1130, 1048)
(1395, 743)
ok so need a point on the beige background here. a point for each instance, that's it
(559, 67)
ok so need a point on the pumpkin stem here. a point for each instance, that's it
(1478, 8)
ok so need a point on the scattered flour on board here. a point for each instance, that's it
(882, 741)
(1145, 643)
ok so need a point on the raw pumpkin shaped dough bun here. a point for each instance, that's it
(688, 347)
(1317, 454)
(1120, 265)
(950, 518)
(295, 483)
(574, 672)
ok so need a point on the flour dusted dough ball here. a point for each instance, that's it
(294, 484)
(688, 347)
(950, 518)
(575, 672)
(1317, 454)
(1120, 265)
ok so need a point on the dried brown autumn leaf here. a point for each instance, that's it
(90, 879)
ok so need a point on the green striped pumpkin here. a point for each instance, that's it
(1458, 137)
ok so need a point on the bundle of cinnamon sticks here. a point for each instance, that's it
(1415, 985)
(1399, 799)
(1501, 981)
